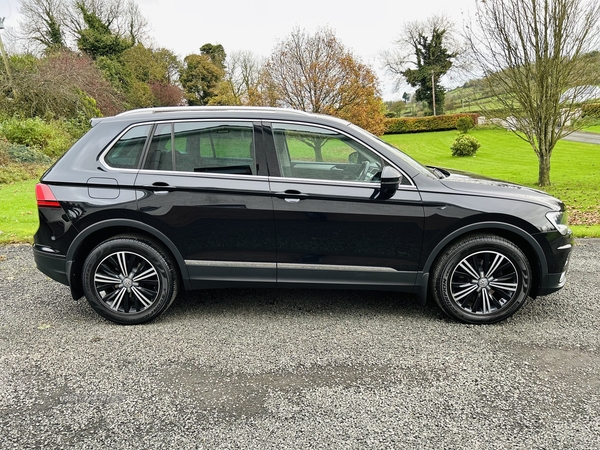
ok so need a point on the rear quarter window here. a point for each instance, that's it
(126, 153)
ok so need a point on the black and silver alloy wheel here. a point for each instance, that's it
(484, 282)
(481, 279)
(129, 280)
(126, 282)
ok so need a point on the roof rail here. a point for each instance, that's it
(179, 109)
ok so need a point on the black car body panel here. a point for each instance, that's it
(259, 217)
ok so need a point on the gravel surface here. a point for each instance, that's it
(297, 369)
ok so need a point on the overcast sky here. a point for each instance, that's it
(366, 27)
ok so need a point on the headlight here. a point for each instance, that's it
(558, 219)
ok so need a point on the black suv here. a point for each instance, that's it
(152, 201)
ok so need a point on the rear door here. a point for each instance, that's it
(330, 225)
(203, 185)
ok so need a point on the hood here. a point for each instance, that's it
(480, 185)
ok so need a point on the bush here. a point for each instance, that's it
(591, 110)
(23, 154)
(49, 137)
(465, 145)
(464, 124)
(30, 132)
(430, 123)
(12, 171)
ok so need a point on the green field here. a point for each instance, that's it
(18, 212)
(575, 170)
(592, 129)
(575, 175)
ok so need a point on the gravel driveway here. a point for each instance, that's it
(297, 369)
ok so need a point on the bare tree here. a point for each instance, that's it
(243, 69)
(43, 22)
(530, 52)
(122, 17)
(52, 24)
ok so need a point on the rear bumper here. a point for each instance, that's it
(50, 263)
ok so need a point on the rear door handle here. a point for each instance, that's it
(159, 187)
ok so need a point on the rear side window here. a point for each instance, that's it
(127, 151)
(214, 147)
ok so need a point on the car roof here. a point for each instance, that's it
(221, 112)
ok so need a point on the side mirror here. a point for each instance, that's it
(390, 180)
(353, 158)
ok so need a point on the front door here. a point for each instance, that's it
(330, 225)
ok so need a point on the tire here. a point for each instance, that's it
(481, 279)
(129, 280)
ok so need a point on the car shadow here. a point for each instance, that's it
(299, 301)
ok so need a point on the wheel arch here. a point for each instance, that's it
(99, 232)
(528, 245)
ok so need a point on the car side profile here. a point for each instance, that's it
(154, 201)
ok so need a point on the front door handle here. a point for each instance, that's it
(291, 194)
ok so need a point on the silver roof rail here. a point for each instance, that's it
(180, 109)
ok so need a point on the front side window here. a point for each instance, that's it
(319, 153)
(213, 147)
(127, 151)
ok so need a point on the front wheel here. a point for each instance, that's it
(129, 280)
(481, 279)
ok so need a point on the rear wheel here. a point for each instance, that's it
(129, 280)
(481, 279)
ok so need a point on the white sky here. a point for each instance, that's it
(366, 27)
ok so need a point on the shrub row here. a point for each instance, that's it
(19, 163)
(591, 110)
(401, 125)
(51, 137)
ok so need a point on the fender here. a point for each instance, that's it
(133, 225)
(422, 285)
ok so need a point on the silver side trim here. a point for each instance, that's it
(335, 267)
(565, 247)
(243, 264)
(258, 265)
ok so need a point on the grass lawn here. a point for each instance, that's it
(575, 169)
(18, 212)
(592, 129)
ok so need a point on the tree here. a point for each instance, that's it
(43, 22)
(60, 85)
(216, 53)
(200, 78)
(97, 39)
(153, 72)
(122, 18)
(425, 53)
(395, 109)
(531, 52)
(316, 73)
(242, 82)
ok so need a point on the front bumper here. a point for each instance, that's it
(559, 263)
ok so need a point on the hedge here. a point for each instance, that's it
(401, 125)
(591, 110)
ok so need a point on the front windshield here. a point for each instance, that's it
(403, 156)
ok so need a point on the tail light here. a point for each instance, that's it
(45, 197)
